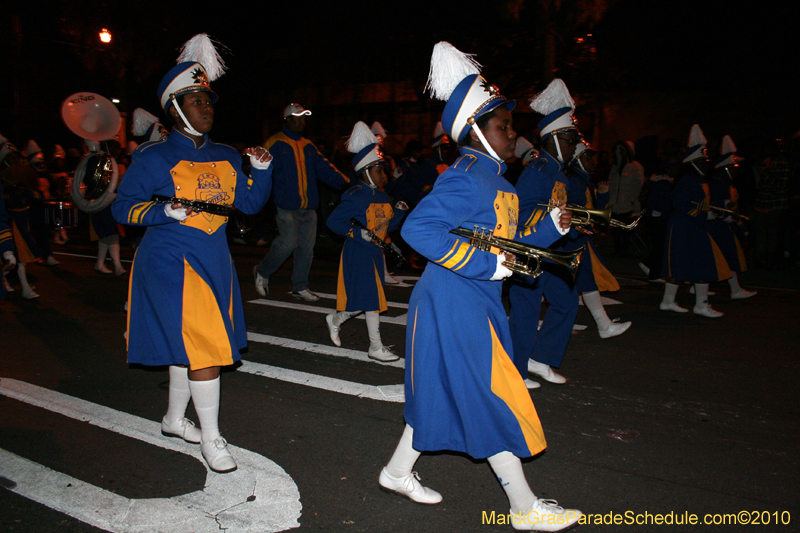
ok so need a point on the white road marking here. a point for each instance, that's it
(89, 256)
(385, 393)
(222, 504)
(399, 320)
(328, 296)
(319, 348)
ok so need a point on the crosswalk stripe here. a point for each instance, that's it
(399, 320)
(319, 348)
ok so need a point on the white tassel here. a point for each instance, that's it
(360, 138)
(449, 66)
(727, 145)
(142, 120)
(554, 97)
(696, 136)
(377, 129)
(201, 49)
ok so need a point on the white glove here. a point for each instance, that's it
(555, 214)
(728, 219)
(502, 272)
(178, 214)
(710, 215)
(11, 260)
(655, 214)
(396, 173)
(365, 235)
(256, 163)
(401, 205)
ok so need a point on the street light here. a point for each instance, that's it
(105, 36)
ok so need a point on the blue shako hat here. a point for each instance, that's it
(365, 145)
(198, 64)
(454, 77)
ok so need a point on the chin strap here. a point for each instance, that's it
(189, 129)
(698, 170)
(489, 150)
(371, 183)
(558, 149)
(583, 167)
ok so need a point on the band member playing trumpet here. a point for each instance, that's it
(544, 182)
(593, 276)
(462, 390)
(690, 254)
(185, 308)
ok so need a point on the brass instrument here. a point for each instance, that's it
(614, 223)
(704, 207)
(589, 216)
(528, 257)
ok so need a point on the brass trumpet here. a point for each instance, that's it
(589, 215)
(528, 257)
(704, 206)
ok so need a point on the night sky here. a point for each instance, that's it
(276, 48)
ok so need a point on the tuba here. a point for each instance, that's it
(94, 119)
(528, 257)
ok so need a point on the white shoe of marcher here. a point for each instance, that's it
(383, 354)
(616, 328)
(545, 372)
(217, 456)
(389, 280)
(672, 306)
(545, 515)
(306, 295)
(410, 487)
(742, 294)
(29, 295)
(183, 428)
(707, 310)
(532, 384)
(333, 331)
(262, 283)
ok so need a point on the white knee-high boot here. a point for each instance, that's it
(205, 395)
(27, 291)
(508, 469)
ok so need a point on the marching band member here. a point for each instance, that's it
(724, 195)
(185, 307)
(593, 276)
(462, 390)
(544, 182)
(690, 254)
(361, 266)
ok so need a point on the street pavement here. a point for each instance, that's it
(682, 415)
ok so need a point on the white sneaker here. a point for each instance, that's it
(262, 283)
(383, 354)
(532, 384)
(706, 310)
(306, 295)
(29, 295)
(672, 306)
(333, 331)
(183, 428)
(545, 515)
(616, 328)
(410, 487)
(545, 372)
(52, 261)
(389, 280)
(742, 294)
(217, 456)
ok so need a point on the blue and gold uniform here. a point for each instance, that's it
(690, 253)
(184, 303)
(593, 275)
(361, 269)
(723, 194)
(543, 181)
(462, 390)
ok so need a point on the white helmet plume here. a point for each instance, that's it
(201, 49)
(554, 97)
(449, 66)
(360, 138)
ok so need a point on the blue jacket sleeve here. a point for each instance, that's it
(133, 204)
(399, 215)
(252, 192)
(350, 207)
(451, 203)
(325, 171)
(542, 235)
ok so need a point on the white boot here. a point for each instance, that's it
(377, 350)
(668, 301)
(701, 306)
(27, 291)
(605, 326)
(214, 448)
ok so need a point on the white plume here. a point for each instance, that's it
(377, 129)
(449, 66)
(360, 138)
(523, 147)
(201, 49)
(141, 121)
(32, 148)
(727, 145)
(555, 96)
(696, 136)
